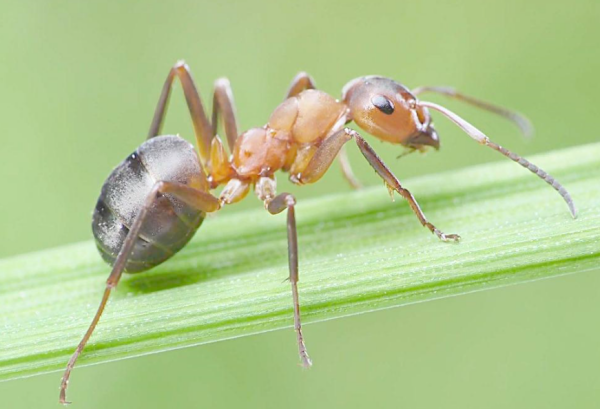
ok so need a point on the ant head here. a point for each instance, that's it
(389, 111)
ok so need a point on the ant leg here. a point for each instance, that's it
(198, 199)
(234, 191)
(347, 170)
(223, 103)
(265, 190)
(327, 152)
(277, 205)
(201, 200)
(394, 184)
(202, 126)
(302, 81)
(518, 119)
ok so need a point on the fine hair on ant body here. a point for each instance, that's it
(154, 201)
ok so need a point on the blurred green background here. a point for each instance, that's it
(78, 85)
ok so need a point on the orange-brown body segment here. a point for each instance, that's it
(401, 124)
(287, 142)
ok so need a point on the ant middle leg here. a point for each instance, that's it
(347, 171)
(265, 190)
(329, 149)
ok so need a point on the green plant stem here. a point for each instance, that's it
(358, 252)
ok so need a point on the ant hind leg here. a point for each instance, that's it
(201, 200)
(205, 130)
(202, 126)
(223, 104)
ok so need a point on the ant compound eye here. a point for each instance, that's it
(383, 104)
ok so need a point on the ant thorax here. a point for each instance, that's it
(289, 140)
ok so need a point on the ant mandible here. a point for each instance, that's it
(155, 200)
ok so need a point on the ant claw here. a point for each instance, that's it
(306, 362)
(447, 237)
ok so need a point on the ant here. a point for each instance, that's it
(154, 201)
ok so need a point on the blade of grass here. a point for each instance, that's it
(358, 253)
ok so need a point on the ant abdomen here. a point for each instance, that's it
(171, 222)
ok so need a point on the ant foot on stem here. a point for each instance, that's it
(447, 237)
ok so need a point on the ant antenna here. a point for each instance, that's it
(484, 140)
(518, 119)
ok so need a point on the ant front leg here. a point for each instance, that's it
(265, 190)
(200, 200)
(327, 152)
